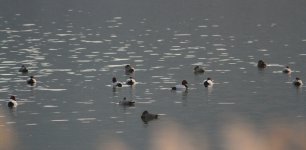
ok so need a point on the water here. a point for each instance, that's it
(74, 48)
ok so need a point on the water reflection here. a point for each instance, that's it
(209, 90)
(13, 111)
(185, 96)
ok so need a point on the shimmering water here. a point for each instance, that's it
(74, 48)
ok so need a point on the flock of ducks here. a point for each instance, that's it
(146, 116)
(297, 82)
(131, 81)
(12, 103)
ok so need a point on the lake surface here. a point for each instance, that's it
(74, 48)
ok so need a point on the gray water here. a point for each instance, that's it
(74, 48)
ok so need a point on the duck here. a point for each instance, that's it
(12, 102)
(208, 82)
(146, 116)
(116, 83)
(182, 86)
(129, 69)
(198, 69)
(261, 64)
(130, 81)
(125, 102)
(287, 70)
(23, 69)
(31, 80)
(297, 82)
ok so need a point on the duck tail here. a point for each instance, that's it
(119, 85)
(297, 84)
(206, 84)
(10, 104)
(130, 82)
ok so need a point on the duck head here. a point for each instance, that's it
(114, 79)
(184, 82)
(13, 98)
(145, 113)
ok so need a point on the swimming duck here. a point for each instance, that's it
(12, 103)
(130, 81)
(129, 69)
(125, 102)
(261, 64)
(208, 82)
(182, 86)
(146, 116)
(297, 82)
(287, 70)
(116, 83)
(23, 69)
(198, 69)
(31, 80)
